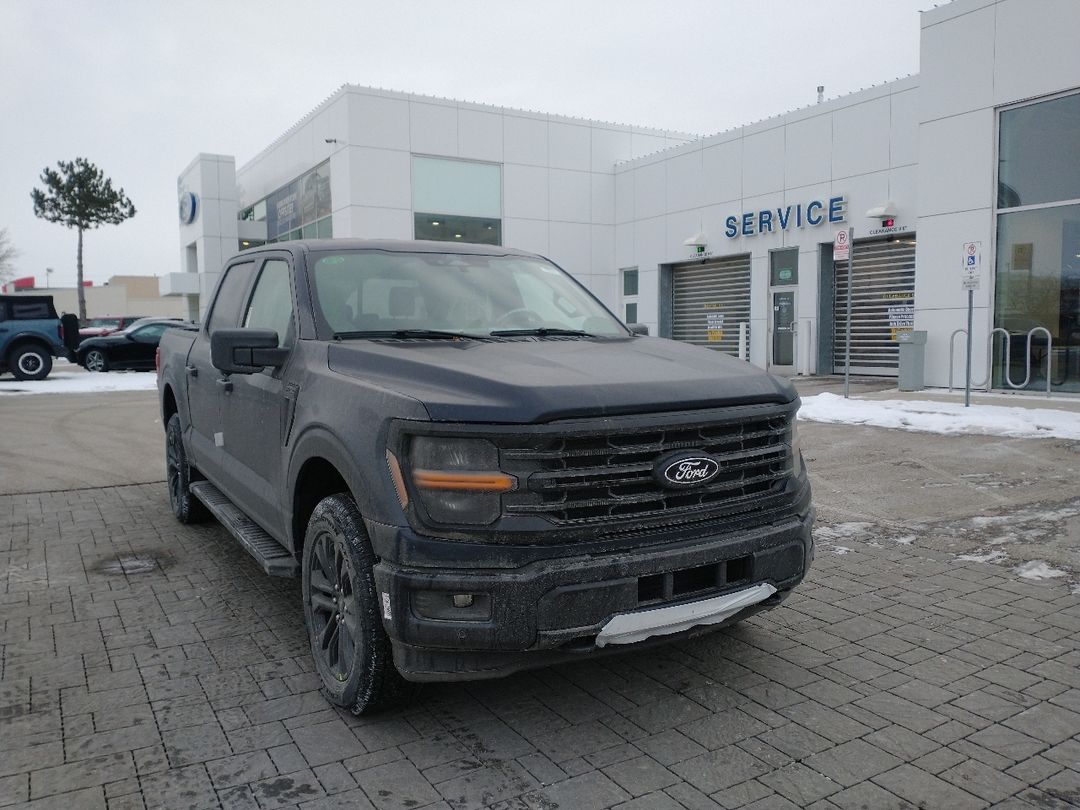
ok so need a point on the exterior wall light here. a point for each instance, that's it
(699, 241)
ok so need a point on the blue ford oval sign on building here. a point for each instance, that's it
(189, 207)
(813, 213)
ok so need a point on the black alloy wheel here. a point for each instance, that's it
(179, 476)
(352, 652)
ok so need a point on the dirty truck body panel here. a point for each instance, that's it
(633, 476)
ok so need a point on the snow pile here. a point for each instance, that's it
(988, 557)
(1038, 569)
(943, 417)
(66, 378)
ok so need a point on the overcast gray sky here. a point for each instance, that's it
(140, 87)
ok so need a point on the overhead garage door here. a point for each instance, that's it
(882, 303)
(709, 301)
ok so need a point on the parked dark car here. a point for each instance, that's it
(132, 348)
(99, 327)
(31, 334)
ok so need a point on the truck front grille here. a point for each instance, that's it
(606, 476)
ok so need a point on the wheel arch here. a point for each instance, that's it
(23, 340)
(168, 404)
(321, 466)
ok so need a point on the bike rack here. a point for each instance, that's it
(985, 384)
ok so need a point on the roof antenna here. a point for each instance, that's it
(820, 93)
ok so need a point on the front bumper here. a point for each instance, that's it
(553, 609)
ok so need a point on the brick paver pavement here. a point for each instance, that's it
(145, 664)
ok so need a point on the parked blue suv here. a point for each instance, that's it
(31, 334)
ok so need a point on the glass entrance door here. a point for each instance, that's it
(783, 330)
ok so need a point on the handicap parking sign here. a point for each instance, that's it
(971, 261)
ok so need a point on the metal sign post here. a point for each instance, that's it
(842, 249)
(970, 281)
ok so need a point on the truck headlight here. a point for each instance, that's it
(458, 480)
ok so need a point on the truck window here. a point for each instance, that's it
(230, 296)
(386, 291)
(271, 305)
(34, 311)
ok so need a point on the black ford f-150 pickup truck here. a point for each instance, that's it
(472, 465)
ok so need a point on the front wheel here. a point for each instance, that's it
(351, 649)
(30, 363)
(96, 361)
(178, 473)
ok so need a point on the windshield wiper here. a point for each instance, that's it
(541, 331)
(423, 334)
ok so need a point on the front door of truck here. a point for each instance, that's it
(254, 410)
(205, 384)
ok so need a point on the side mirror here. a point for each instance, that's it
(638, 328)
(246, 351)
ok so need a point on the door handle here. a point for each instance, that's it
(225, 383)
(192, 370)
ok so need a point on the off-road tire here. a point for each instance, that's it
(179, 475)
(360, 676)
(30, 362)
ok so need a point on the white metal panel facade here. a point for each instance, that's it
(709, 301)
(882, 298)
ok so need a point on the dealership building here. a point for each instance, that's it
(966, 175)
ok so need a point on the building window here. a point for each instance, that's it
(1037, 153)
(784, 267)
(628, 288)
(300, 209)
(1038, 244)
(451, 228)
(457, 200)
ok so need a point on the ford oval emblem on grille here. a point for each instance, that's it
(686, 470)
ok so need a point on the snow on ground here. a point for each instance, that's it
(1038, 569)
(943, 417)
(67, 378)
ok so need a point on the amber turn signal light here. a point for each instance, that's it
(464, 481)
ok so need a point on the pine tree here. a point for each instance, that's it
(80, 196)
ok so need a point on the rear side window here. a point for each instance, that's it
(271, 304)
(34, 311)
(230, 297)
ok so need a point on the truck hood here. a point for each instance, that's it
(537, 380)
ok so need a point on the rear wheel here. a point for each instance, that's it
(30, 362)
(95, 360)
(185, 506)
(351, 649)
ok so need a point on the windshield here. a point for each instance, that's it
(384, 292)
(110, 323)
